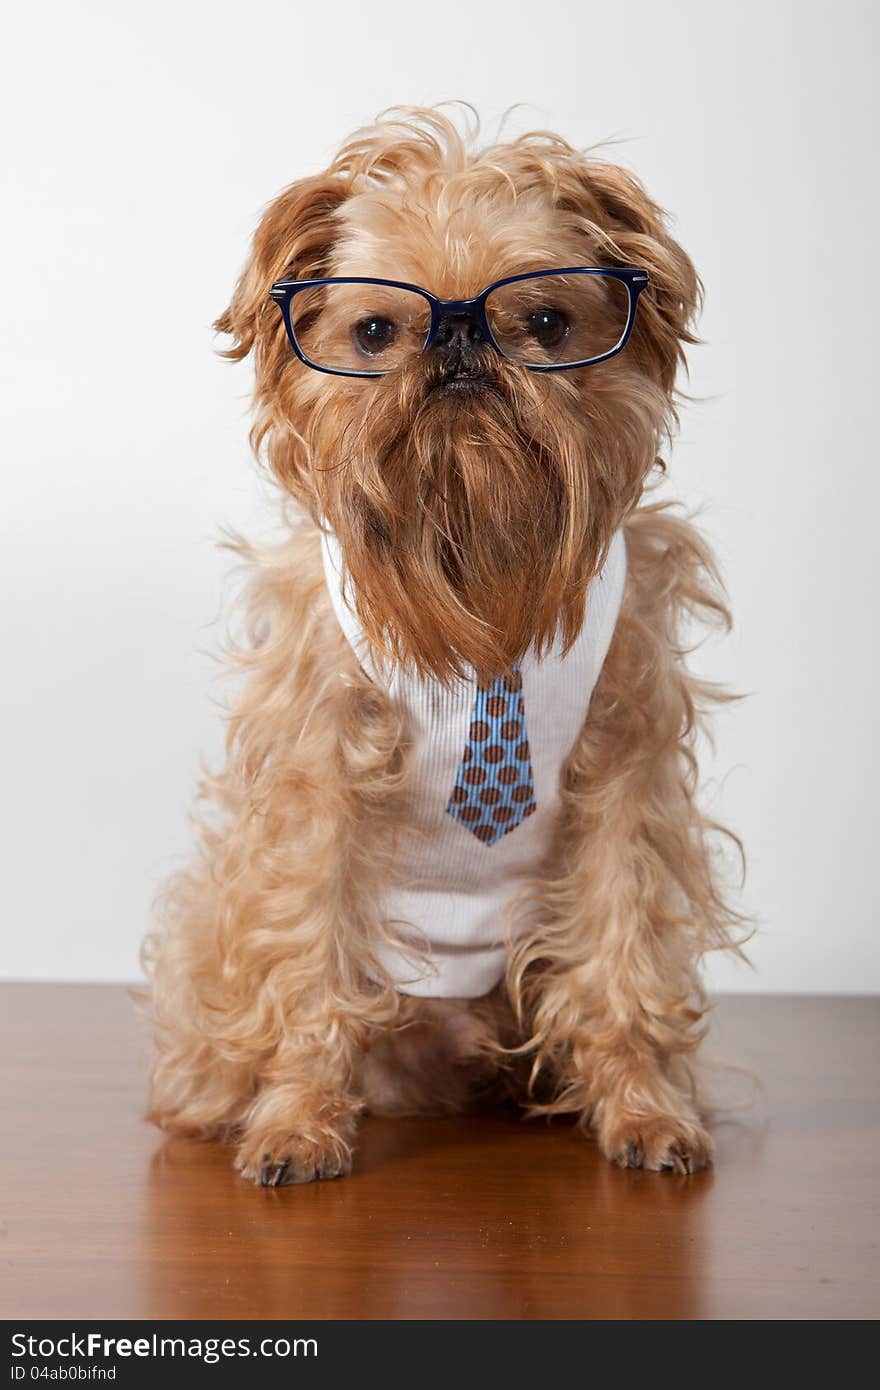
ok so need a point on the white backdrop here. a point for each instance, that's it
(144, 141)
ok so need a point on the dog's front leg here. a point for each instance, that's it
(302, 1122)
(322, 996)
(265, 986)
(608, 975)
(615, 1011)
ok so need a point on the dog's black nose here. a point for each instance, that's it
(458, 335)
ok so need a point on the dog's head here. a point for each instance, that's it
(473, 498)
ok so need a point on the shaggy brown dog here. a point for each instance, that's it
(472, 525)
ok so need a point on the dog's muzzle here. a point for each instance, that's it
(461, 352)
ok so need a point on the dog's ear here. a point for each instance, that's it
(295, 236)
(635, 232)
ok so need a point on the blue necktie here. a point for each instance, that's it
(494, 790)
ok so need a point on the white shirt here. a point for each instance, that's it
(449, 889)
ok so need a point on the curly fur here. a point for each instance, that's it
(470, 533)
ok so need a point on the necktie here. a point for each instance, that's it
(494, 790)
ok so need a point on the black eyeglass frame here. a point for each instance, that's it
(636, 280)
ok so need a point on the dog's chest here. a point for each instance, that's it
(482, 791)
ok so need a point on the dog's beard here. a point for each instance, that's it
(463, 517)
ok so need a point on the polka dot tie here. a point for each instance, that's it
(494, 791)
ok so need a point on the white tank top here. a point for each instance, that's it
(450, 889)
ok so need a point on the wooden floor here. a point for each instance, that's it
(491, 1217)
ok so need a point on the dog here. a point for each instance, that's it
(456, 852)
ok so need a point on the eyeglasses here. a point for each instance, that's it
(546, 321)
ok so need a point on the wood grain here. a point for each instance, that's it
(489, 1217)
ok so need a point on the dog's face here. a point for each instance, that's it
(473, 499)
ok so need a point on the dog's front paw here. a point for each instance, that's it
(287, 1161)
(660, 1142)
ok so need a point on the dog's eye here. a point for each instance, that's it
(547, 326)
(375, 334)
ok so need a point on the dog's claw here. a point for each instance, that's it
(280, 1173)
(679, 1161)
(273, 1174)
(630, 1157)
(681, 1148)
